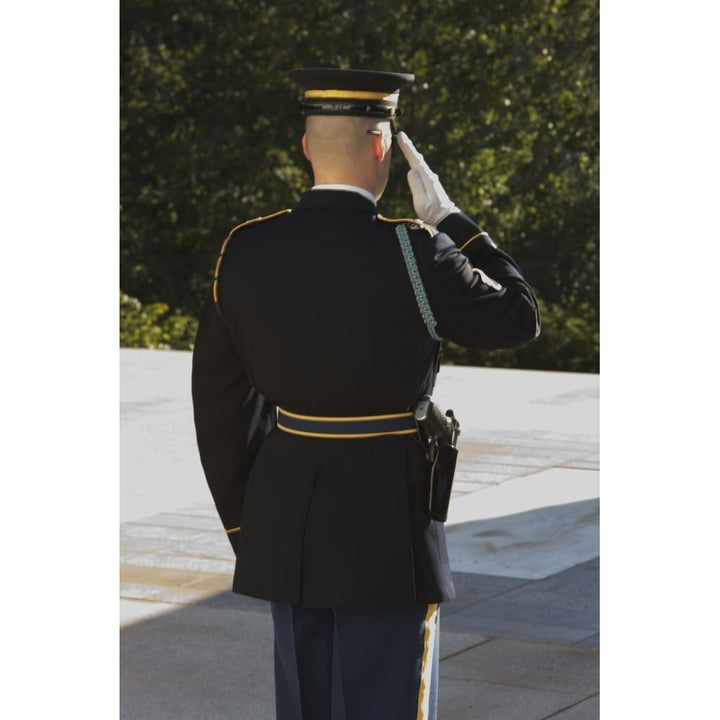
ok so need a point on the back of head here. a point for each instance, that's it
(336, 141)
(341, 107)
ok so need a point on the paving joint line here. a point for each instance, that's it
(487, 639)
(579, 702)
(497, 683)
(217, 608)
(494, 596)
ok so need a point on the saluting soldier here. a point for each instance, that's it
(320, 336)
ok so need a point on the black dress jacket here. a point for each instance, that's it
(319, 317)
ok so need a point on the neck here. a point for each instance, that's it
(343, 186)
(359, 180)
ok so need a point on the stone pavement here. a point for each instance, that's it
(520, 642)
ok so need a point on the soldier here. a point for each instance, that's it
(320, 336)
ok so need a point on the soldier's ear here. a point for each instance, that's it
(378, 145)
(305, 146)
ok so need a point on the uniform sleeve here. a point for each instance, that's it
(478, 294)
(231, 418)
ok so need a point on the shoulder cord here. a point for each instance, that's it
(219, 263)
(417, 283)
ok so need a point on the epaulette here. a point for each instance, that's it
(218, 264)
(410, 221)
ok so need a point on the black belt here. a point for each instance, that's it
(352, 428)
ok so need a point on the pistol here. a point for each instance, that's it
(439, 432)
(438, 428)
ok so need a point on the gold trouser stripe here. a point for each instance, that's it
(423, 706)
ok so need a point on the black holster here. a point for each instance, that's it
(438, 434)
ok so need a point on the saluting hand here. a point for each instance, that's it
(431, 202)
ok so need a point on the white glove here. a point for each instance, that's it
(430, 200)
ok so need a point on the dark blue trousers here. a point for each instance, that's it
(356, 663)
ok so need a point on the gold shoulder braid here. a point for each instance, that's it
(411, 221)
(218, 264)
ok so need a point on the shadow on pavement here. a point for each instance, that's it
(511, 648)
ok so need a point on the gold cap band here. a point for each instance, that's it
(350, 95)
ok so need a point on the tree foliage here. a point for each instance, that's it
(154, 326)
(505, 108)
